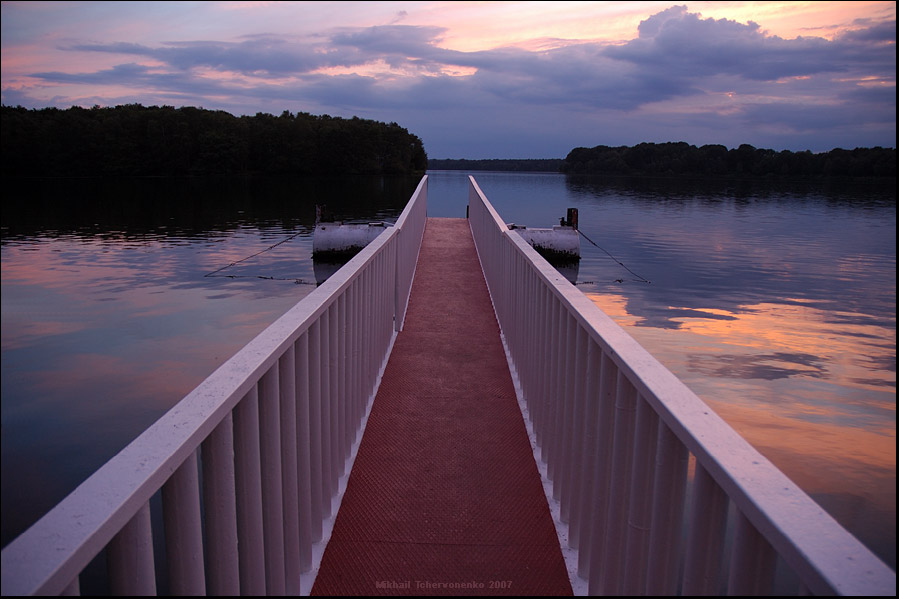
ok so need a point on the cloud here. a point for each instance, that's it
(676, 43)
(265, 55)
(702, 76)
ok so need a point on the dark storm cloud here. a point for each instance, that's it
(678, 43)
(871, 32)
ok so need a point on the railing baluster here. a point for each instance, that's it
(219, 502)
(370, 328)
(130, 557)
(530, 374)
(183, 531)
(541, 416)
(580, 423)
(705, 539)
(248, 482)
(326, 401)
(303, 437)
(368, 318)
(316, 426)
(590, 447)
(520, 293)
(358, 372)
(636, 556)
(289, 470)
(569, 351)
(619, 489)
(342, 394)
(334, 397)
(667, 513)
(752, 563)
(555, 398)
(73, 589)
(578, 431)
(272, 488)
(602, 479)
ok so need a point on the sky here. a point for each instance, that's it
(482, 79)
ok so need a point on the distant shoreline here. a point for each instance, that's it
(681, 160)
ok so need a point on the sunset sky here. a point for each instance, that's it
(482, 79)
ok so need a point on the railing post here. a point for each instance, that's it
(219, 500)
(639, 515)
(319, 503)
(580, 423)
(326, 401)
(705, 541)
(130, 557)
(272, 488)
(590, 449)
(334, 397)
(555, 402)
(602, 485)
(342, 390)
(667, 513)
(568, 414)
(304, 443)
(248, 481)
(290, 469)
(752, 562)
(612, 578)
(183, 531)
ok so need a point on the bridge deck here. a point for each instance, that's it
(444, 496)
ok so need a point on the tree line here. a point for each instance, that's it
(136, 140)
(546, 165)
(680, 158)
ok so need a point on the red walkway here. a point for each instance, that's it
(444, 496)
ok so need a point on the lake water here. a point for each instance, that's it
(776, 304)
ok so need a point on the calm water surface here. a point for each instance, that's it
(776, 305)
(109, 315)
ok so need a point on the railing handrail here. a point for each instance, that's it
(826, 556)
(52, 552)
(415, 214)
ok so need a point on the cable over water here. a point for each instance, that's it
(271, 247)
(639, 278)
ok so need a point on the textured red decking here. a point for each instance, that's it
(444, 489)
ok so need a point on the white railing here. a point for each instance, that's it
(645, 474)
(249, 462)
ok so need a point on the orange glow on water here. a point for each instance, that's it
(831, 429)
(770, 329)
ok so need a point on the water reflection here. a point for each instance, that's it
(324, 269)
(776, 304)
(185, 209)
(109, 318)
(809, 393)
(777, 307)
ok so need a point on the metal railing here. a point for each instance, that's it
(248, 463)
(659, 494)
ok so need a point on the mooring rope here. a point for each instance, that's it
(639, 279)
(294, 279)
(215, 272)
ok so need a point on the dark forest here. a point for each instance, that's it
(682, 159)
(134, 140)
